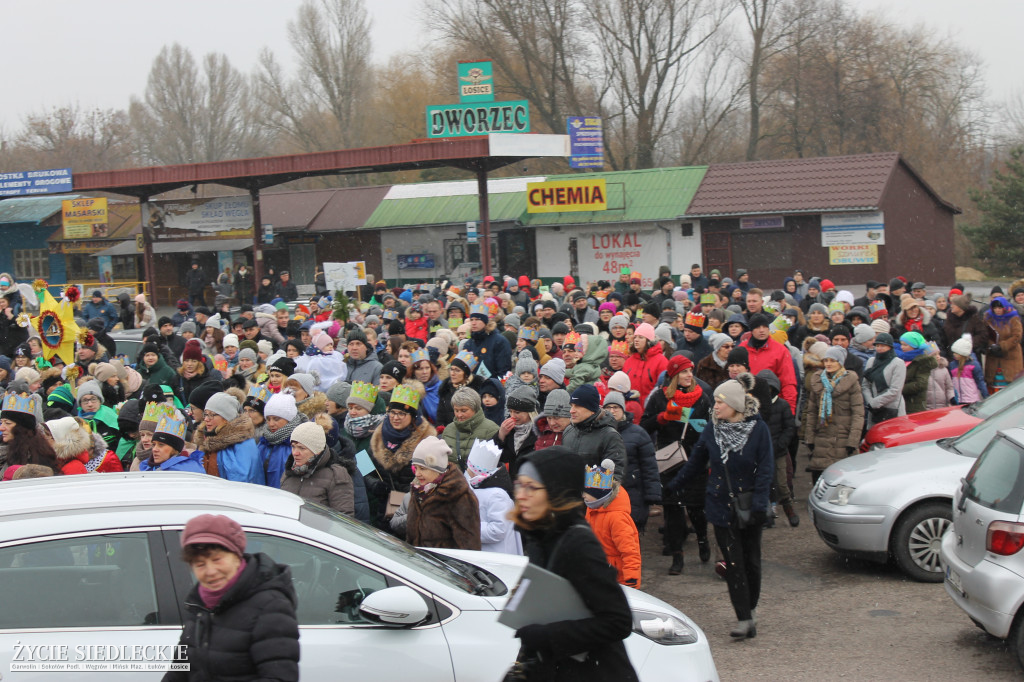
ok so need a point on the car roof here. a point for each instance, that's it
(112, 491)
(1016, 434)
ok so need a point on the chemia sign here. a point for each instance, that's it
(461, 120)
(566, 195)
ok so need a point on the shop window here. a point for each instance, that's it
(31, 263)
(126, 268)
(82, 268)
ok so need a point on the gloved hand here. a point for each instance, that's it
(631, 582)
(996, 351)
(673, 413)
(532, 636)
(850, 450)
(757, 518)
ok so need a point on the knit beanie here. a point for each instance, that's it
(104, 372)
(837, 353)
(818, 307)
(338, 393)
(818, 349)
(557, 404)
(558, 469)
(618, 382)
(733, 394)
(310, 435)
(432, 453)
(885, 339)
(526, 363)
(307, 381)
(522, 399)
(394, 369)
(962, 346)
(512, 321)
(281, 405)
(881, 326)
(247, 354)
(265, 347)
(646, 331)
(285, 366)
(717, 340)
(738, 356)
(193, 351)
(90, 388)
(202, 393)
(223, 404)
(230, 341)
(554, 369)
(615, 398)
(587, 397)
(862, 333)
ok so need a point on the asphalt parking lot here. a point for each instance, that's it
(825, 617)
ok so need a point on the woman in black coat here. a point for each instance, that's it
(242, 623)
(678, 412)
(738, 445)
(549, 512)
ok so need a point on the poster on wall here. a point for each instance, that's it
(849, 229)
(84, 218)
(106, 267)
(219, 217)
(603, 255)
(345, 276)
(855, 254)
(226, 264)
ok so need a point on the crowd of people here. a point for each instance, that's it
(425, 410)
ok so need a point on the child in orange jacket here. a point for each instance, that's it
(609, 517)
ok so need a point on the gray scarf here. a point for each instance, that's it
(732, 436)
(285, 432)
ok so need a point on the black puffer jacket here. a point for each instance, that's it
(596, 438)
(641, 480)
(777, 415)
(253, 634)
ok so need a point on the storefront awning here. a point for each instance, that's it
(128, 248)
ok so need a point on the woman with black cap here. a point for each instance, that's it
(168, 443)
(152, 366)
(242, 623)
(549, 512)
(737, 448)
(460, 375)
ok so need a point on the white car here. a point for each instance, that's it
(982, 550)
(896, 502)
(95, 559)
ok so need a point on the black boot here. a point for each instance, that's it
(704, 549)
(677, 564)
(794, 520)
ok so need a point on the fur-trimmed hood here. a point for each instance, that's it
(313, 405)
(402, 457)
(79, 441)
(234, 432)
(926, 316)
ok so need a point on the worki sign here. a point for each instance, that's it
(463, 120)
(566, 195)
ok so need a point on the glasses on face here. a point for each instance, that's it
(527, 488)
(210, 415)
(397, 414)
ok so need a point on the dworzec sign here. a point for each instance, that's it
(462, 120)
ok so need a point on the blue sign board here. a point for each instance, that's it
(586, 142)
(420, 261)
(28, 183)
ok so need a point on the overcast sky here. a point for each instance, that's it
(98, 53)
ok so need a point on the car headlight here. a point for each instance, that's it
(663, 628)
(840, 495)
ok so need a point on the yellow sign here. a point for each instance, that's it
(140, 243)
(853, 254)
(566, 195)
(84, 218)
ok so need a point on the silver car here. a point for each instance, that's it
(93, 560)
(895, 503)
(982, 550)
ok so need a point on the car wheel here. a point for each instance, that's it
(916, 540)
(1016, 640)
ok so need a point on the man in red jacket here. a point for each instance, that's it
(767, 353)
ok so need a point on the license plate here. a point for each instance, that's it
(954, 579)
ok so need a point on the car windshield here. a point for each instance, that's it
(379, 542)
(995, 480)
(998, 400)
(973, 443)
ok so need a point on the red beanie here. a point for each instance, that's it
(192, 351)
(524, 281)
(568, 282)
(677, 363)
(827, 285)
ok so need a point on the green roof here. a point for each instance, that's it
(633, 196)
(31, 209)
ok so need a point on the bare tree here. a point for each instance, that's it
(649, 49)
(320, 108)
(192, 113)
(93, 139)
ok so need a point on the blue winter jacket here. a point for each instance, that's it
(192, 462)
(753, 468)
(104, 310)
(492, 349)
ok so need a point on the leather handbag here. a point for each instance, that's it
(395, 498)
(670, 456)
(742, 504)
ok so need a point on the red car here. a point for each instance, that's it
(944, 422)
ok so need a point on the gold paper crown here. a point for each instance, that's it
(406, 395)
(468, 358)
(694, 319)
(528, 333)
(261, 393)
(363, 391)
(596, 477)
(620, 347)
(21, 403)
(708, 299)
(480, 309)
(154, 411)
(836, 306)
(418, 355)
(169, 425)
(571, 339)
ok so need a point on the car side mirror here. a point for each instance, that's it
(396, 606)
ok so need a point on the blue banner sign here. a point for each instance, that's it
(27, 183)
(419, 261)
(586, 142)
